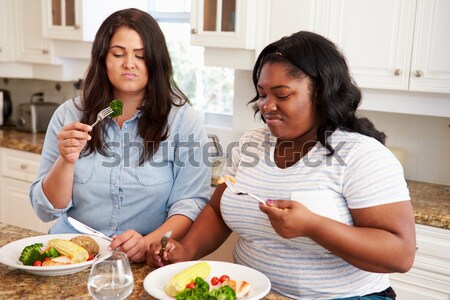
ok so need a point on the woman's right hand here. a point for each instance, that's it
(71, 140)
(175, 252)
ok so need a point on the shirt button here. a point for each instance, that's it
(116, 205)
(113, 228)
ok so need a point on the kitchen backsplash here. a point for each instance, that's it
(22, 89)
(424, 140)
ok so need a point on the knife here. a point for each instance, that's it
(86, 229)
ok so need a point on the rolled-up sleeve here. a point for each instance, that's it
(41, 205)
(191, 169)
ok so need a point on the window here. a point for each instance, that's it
(211, 89)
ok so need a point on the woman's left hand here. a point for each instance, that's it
(132, 243)
(289, 218)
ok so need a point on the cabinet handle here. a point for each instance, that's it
(23, 166)
(418, 73)
(76, 26)
(194, 31)
(44, 51)
(397, 72)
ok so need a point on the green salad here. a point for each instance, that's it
(201, 292)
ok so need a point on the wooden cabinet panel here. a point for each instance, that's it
(17, 170)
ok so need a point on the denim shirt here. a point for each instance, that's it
(113, 193)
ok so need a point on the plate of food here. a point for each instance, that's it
(54, 254)
(169, 281)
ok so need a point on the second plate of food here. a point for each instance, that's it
(10, 254)
(156, 280)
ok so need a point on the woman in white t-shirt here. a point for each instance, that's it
(338, 216)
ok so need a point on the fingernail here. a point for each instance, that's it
(269, 202)
(109, 249)
(89, 138)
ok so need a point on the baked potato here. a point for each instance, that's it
(87, 243)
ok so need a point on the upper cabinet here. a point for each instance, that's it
(224, 23)
(79, 20)
(430, 62)
(31, 46)
(391, 44)
(5, 24)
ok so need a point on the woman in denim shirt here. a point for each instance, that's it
(135, 176)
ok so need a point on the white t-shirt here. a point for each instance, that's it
(361, 173)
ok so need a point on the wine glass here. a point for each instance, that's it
(111, 277)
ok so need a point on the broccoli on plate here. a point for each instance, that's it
(31, 253)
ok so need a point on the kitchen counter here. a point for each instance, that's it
(431, 202)
(16, 284)
(20, 140)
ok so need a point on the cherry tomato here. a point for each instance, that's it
(224, 278)
(190, 285)
(215, 281)
(37, 263)
(91, 256)
(46, 258)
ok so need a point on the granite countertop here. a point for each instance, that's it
(20, 140)
(16, 284)
(431, 202)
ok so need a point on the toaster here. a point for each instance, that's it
(35, 116)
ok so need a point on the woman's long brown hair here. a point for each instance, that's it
(161, 93)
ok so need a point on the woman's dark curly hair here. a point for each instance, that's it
(336, 95)
(161, 91)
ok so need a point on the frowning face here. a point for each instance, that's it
(125, 63)
(286, 103)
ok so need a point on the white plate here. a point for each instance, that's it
(10, 254)
(155, 281)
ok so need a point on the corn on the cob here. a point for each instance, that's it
(65, 247)
(178, 282)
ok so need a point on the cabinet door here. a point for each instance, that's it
(375, 36)
(224, 23)
(31, 46)
(5, 41)
(62, 19)
(79, 20)
(429, 277)
(430, 64)
(16, 208)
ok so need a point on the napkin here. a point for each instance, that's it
(321, 202)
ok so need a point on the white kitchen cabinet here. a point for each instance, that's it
(31, 46)
(391, 44)
(224, 23)
(430, 62)
(6, 41)
(79, 20)
(429, 278)
(228, 29)
(17, 170)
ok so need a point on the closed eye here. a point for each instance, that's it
(283, 97)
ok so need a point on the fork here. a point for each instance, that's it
(103, 114)
(239, 192)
